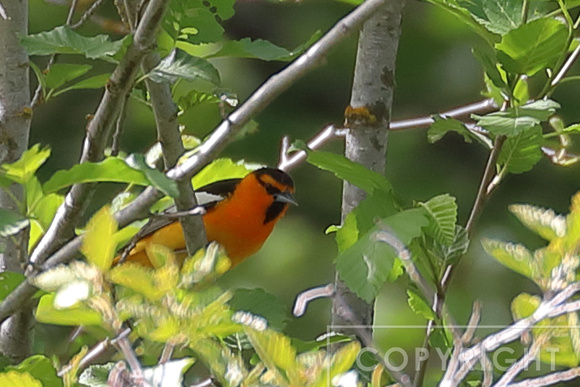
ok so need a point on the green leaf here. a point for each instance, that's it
(501, 16)
(544, 222)
(156, 178)
(61, 73)
(442, 125)
(221, 169)
(11, 223)
(520, 153)
(8, 282)
(338, 363)
(63, 40)
(76, 315)
(197, 21)
(45, 209)
(513, 256)
(96, 82)
(22, 170)
(276, 352)
(261, 303)
(169, 373)
(516, 120)
(112, 169)
(41, 368)
(443, 212)
(465, 16)
(180, 65)
(350, 171)
(137, 277)
(366, 265)
(96, 375)
(488, 60)
(99, 245)
(420, 306)
(533, 46)
(18, 379)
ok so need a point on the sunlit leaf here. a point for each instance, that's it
(197, 21)
(63, 40)
(221, 169)
(71, 294)
(95, 82)
(99, 245)
(533, 46)
(169, 373)
(513, 256)
(442, 125)
(41, 368)
(136, 277)
(338, 363)
(180, 65)
(18, 379)
(96, 375)
(544, 222)
(80, 314)
(154, 177)
(498, 16)
(23, 169)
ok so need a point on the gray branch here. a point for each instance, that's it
(15, 115)
(366, 140)
(138, 209)
(98, 132)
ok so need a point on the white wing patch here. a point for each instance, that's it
(205, 197)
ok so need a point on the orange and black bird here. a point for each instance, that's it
(239, 214)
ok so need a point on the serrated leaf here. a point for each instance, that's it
(502, 16)
(533, 46)
(18, 379)
(180, 65)
(442, 125)
(196, 21)
(443, 212)
(276, 352)
(63, 40)
(76, 315)
(366, 265)
(136, 277)
(520, 153)
(259, 302)
(99, 245)
(516, 120)
(61, 73)
(513, 256)
(348, 170)
(11, 223)
(338, 363)
(544, 222)
(488, 60)
(420, 306)
(41, 368)
(22, 170)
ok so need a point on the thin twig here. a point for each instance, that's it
(138, 209)
(88, 13)
(119, 127)
(307, 296)
(167, 353)
(472, 324)
(548, 380)
(124, 345)
(523, 363)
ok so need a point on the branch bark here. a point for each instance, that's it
(259, 100)
(368, 121)
(15, 115)
(98, 131)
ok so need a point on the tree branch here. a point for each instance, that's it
(98, 132)
(138, 209)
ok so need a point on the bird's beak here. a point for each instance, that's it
(285, 197)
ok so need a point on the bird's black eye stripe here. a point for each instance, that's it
(271, 189)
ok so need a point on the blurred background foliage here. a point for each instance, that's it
(435, 72)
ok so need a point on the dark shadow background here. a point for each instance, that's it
(435, 72)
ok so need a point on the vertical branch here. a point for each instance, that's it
(15, 338)
(170, 138)
(368, 118)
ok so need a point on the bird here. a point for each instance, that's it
(238, 213)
